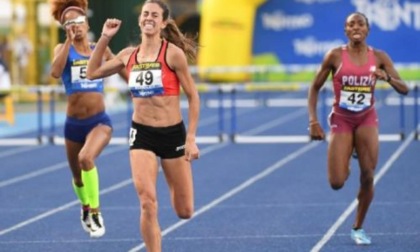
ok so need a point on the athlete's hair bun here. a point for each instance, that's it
(59, 6)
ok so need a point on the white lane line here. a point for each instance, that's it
(51, 168)
(112, 188)
(327, 236)
(274, 123)
(61, 208)
(76, 202)
(198, 238)
(110, 151)
(267, 171)
(19, 150)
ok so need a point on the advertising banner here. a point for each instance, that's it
(302, 31)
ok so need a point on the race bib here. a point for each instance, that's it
(78, 74)
(78, 77)
(146, 80)
(355, 98)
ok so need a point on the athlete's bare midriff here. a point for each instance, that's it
(85, 105)
(157, 111)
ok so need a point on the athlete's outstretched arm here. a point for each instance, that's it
(109, 56)
(96, 68)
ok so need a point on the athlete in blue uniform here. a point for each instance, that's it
(87, 128)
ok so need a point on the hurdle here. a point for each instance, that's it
(9, 114)
(54, 139)
(325, 105)
(39, 139)
(226, 102)
(416, 111)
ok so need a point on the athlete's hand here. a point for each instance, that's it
(191, 150)
(379, 74)
(315, 131)
(111, 27)
(70, 32)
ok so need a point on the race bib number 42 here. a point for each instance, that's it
(355, 98)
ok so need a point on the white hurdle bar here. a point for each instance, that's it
(57, 140)
(245, 139)
(47, 138)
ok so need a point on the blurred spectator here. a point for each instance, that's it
(3, 47)
(22, 48)
(5, 83)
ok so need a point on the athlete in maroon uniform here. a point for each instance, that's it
(158, 68)
(355, 68)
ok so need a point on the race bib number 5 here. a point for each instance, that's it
(78, 77)
(78, 73)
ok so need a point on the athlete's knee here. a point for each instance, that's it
(336, 182)
(148, 206)
(367, 178)
(185, 212)
(336, 185)
(86, 160)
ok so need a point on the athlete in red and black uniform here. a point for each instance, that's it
(158, 67)
(353, 121)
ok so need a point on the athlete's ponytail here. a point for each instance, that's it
(174, 35)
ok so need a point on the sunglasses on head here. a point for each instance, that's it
(75, 21)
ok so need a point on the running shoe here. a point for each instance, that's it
(85, 220)
(359, 236)
(97, 227)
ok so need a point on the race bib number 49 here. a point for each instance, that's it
(146, 80)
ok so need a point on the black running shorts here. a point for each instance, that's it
(165, 142)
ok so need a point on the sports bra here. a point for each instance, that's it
(354, 85)
(74, 74)
(153, 78)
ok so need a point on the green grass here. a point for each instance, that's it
(306, 76)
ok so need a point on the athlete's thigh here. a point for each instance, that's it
(339, 151)
(144, 170)
(97, 139)
(367, 145)
(178, 174)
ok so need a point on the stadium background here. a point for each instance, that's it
(261, 184)
(233, 33)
